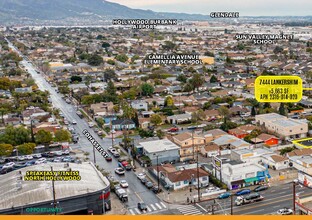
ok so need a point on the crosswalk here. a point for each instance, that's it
(150, 208)
(189, 210)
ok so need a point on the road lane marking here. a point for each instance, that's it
(201, 207)
(158, 205)
(136, 209)
(148, 208)
(276, 206)
(163, 205)
(131, 211)
(138, 196)
(153, 207)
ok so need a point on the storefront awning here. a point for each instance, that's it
(252, 179)
(237, 182)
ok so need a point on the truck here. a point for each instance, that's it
(121, 194)
(254, 197)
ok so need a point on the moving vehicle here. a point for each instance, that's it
(128, 167)
(141, 176)
(120, 171)
(224, 195)
(74, 122)
(242, 192)
(80, 115)
(142, 206)
(261, 188)
(108, 159)
(254, 197)
(121, 194)
(124, 184)
(285, 211)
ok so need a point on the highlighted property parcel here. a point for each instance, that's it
(303, 143)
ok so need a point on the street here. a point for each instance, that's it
(136, 192)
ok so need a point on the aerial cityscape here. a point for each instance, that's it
(110, 110)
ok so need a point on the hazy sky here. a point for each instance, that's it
(244, 7)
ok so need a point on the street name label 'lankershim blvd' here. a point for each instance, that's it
(95, 144)
(278, 89)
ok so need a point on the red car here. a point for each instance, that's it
(108, 159)
(173, 129)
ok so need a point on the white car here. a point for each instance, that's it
(58, 160)
(74, 122)
(41, 161)
(21, 158)
(65, 152)
(29, 157)
(285, 211)
(8, 165)
(58, 153)
(141, 176)
(37, 156)
(91, 124)
(120, 171)
(124, 184)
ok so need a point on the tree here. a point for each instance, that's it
(62, 135)
(213, 79)
(196, 81)
(105, 45)
(95, 60)
(128, 111)
(282, 109)
(26, 148)
(147, 89)
(228, 125)
(156, 119)
(208, 53)
(15, 136)
(109, 74)
(278, 49)
(75, 79)
(253, 111)
(182, 78)
(169, 45)
(224, 112)
(6, 149)
(43, 137)
(88, 80)
(169, 102)
(122, 58)
(160, 134)
(207, 105)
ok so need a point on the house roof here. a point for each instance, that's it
(159, 146)
(300, 152)
(211, 147)
(122, 121)
(278, 158)
(266, 137)
(186, 136)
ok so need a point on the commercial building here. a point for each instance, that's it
(302, 163)
(164, 149)
(88, 195)
(283, 126)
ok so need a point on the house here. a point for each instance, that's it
(299, 152)
(267, 139)
(242, 131)
(144, 122)
(215, 133)
(275, 161)
(181, 177)
(212, 114)
(231, 142)
(32, 113)
(23, 90)
(250, 155)
(164, 149)
(121, 124)
(102, 108)
(283, 126)
(210, 150)
(178, 119)
(189, 144)
(139, 105)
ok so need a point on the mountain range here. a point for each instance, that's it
(76, 11)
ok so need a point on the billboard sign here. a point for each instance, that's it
(216, 163)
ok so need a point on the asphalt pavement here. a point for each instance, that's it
(137, 192)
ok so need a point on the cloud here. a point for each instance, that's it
(245, 7)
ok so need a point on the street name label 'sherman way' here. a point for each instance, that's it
(95, 144)
(278, 88)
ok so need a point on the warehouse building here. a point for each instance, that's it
(20, 195)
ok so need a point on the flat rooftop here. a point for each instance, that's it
(32, 192)
(159, 146)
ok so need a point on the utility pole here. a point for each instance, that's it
(294, 197)
(157, 170)
(198, 188)
(193, 145)
(231, 203)
(32, 131)
(53, 190)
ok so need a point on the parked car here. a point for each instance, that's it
(124, 184)
(58, 153)
(116, 154)
(74, 122)
(68, 159)
(29, 157)
(30, 163)
(149, 184)
(37, 156)
(261, 188)
(6, 170)
(58, 160)
(128, 167)
(108, 159)
(144, 180)
(173, 129)
(243, 192)
(156, 190)
(285, 211)
(45, 154)
(142, 206)
(141, 176)
(91, 124)
(65, 152)
(8, 165)
(120, 171)
(21, 158)
(224, 195)
(41, 161)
